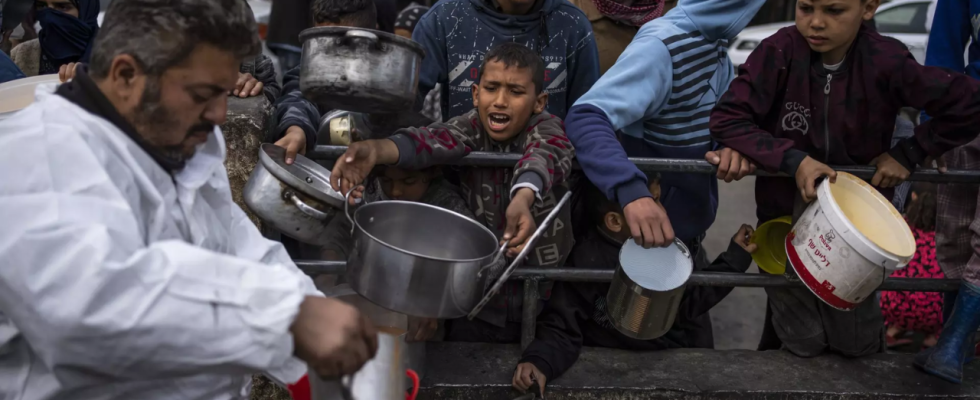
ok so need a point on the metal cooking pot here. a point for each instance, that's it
(381, 378)
(393, 322)
(295, 199)
(647, 288)
(359, 70)
(426, 261)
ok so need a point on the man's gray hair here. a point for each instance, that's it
(160, 34)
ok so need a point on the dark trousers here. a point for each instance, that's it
(806, 326)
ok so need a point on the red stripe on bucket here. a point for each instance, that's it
(824, 290)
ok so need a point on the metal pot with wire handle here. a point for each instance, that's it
(426, 261)
(647, 288)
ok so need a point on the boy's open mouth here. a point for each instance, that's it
(497, 122)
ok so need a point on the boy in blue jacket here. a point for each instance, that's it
(456, 34)
(955, 23)
(659, 95)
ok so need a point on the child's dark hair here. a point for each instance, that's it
(598, 205)
(517, 55)
(353, 13)
(921, 213)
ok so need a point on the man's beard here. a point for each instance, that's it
(155, 122)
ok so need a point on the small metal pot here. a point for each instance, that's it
(359, 70)
(389, 321)
(426, 261)
(295, 199)
(381, 378)
(647, 288)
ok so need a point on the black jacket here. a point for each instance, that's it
(575, 314)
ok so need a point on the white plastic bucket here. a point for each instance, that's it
(848, 241)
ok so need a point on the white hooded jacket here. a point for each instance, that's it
(119, 280)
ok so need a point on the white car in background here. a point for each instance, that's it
(909, 21)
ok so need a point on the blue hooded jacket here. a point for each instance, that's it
(457, 33)
(954, 24)
(8, 70)
(659, 95)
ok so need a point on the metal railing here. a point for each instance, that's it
(531, 276)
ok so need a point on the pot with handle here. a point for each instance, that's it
(360, 70)
(426, 261)
(647, 288)
(295, 199)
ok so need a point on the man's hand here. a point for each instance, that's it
(247, 86)
(294, 141)
(743, 238)
(731, 165)
(520, 222)
(333, 337)
(888, 173)
(648, 223)
(357, 162)
(807, 174)
(525, 376)
(421, 329)
(67, 71)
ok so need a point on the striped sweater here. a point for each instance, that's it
(658, 97)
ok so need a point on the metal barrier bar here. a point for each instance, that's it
(529, 311)
(486, 159)
(724, 279)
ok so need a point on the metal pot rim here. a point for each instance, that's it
(325, 31)
(270, 153)
(412, 203)
(680, 246)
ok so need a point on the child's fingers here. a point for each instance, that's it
(751, 247)
(876, 180)
(526, 378)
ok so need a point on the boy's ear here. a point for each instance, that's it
(476, 95)
(870, 7)
(614, 221)
(915, 197)
(541, 102)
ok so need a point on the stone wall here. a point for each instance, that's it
(245, 130)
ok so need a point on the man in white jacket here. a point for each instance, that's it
(127, 271)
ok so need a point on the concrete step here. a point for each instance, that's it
(474, 371)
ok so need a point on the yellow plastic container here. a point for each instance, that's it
(770, 238)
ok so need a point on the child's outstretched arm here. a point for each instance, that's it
(558, 336)
(409, 148)
(698, 300)
(952, 99)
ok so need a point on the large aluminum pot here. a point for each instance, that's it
(383, 318)
(427, 261)
(295, 199)
(419, 259)
(647, 288)
(359, 70)
(382, 378)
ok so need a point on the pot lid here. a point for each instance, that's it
(660, 268)
(304, 174)
(19, 93)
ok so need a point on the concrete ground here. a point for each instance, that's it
(737, 319)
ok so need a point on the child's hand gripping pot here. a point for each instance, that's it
(353, 167)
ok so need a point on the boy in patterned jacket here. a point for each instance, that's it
(826, 92)
(509, 118)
